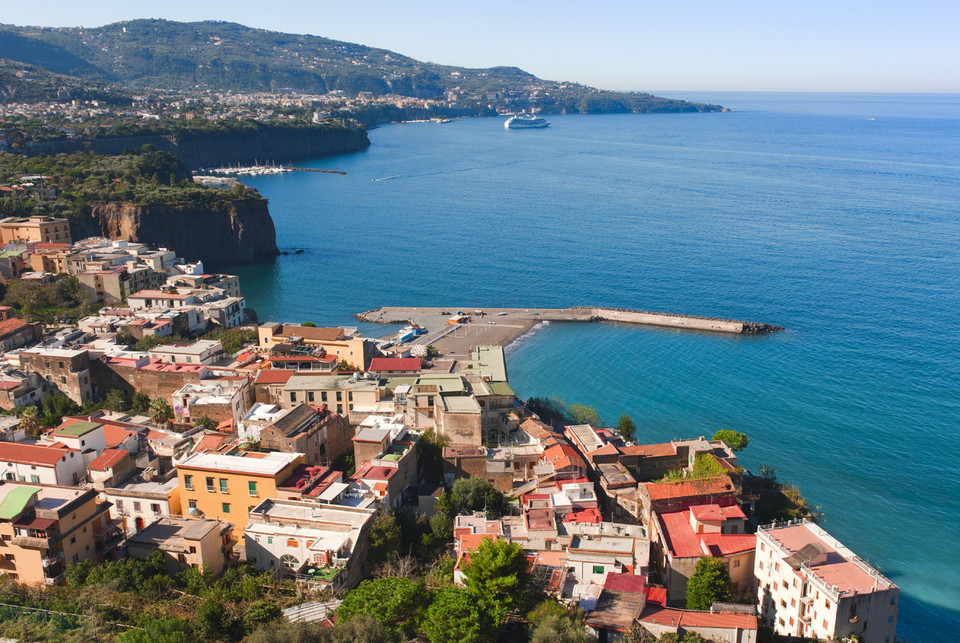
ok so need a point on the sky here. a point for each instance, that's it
(691, 45)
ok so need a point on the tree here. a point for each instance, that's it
(455, 615)
(396, 603)
(160, 411)
(168, 630)
(709, 583)
(626, 427)
(384, 539)
(583, 414)
(30, 421)
(734, 439)
(498, 571)
(116, 400)
(561, 629)
(205, 423)
(139, 403)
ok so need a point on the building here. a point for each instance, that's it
(16, 333)
(682, 537)
(810, 585)
(228, 487)
(110, 467)
(727, 626)
(112, 285)
(66, 369)
(324, 543)
(39, 229)
(354, 351)
(665, 497)
(221, 400)
(44, 528)
(339, 393)
(186, 543)
(321, 436)
(41, 464)
(142, 499)
(202, 351)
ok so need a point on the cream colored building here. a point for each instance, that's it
(39, 229)
(810, 585)
(186, 543)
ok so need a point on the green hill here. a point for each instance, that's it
(224, 56)
(23, 83)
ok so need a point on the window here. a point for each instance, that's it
(34, 478)
(310, 396)
(155, 507)
(193, 549)
(192, 504)
(791, 621)
(783, 603)
(598, 569)
(350, 396)
(293, 397)
(323, 396)
(210, 485)
(793, 602)
(188, 483)
(136, 505)
(339, 409)
(119, 504)
(293, 542)
(736, 563)
(223, 486)
(893, 600)
(761, 564)
(252, 488)
(225, 507)
(269, 540)
(73, 540)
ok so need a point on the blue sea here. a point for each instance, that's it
(836, 216)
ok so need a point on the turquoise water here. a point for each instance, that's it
(835, 216)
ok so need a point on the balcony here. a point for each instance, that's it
(51, 559)
(31, 542)
(53, 580)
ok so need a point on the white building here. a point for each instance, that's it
(41, 463)
(810, 585)
(202, 351)
(326, 541)
(140, 502)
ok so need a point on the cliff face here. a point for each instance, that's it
(212, 149)
(242, 232)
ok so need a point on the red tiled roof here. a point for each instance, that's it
(689, 488)
(210, 442)
(33, 453)
(651, 450)
(589, 516)
(274, 376)
(624, 583)
(656, 595)
(718, 620)
(6, 386)
(11, 326)
(396, 364)
(157, 294)
(328, 359)
(607, 449)
(717, 513)
(683, 542)
(107, 459)
(114, 435)
(312, 333)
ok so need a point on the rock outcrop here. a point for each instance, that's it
(240, 231)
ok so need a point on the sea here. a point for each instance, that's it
(836, 216)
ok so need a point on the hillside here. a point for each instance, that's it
(223, 56)
(24, 83)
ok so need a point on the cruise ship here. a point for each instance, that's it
(524, 121)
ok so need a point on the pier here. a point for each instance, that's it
(500, 326)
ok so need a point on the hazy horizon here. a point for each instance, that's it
(877, 47)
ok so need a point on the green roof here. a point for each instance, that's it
(16, 501)
(78, 428)
(500, 388)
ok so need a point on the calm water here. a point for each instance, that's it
(833, 215)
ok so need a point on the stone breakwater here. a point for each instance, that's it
(503, 325)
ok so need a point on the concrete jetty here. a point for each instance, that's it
(503, 325)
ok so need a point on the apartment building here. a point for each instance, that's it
(40, 463)
(810, 585)
(66, 369)
(186, 543)
(228, 487)
(39, 229)
(44, 528)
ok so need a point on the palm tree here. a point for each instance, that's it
(160, 411)
(30, 421)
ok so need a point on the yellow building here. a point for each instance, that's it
(228, 487)
(36, 228)
(44, 528)
(355, 351)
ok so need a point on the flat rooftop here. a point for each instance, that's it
(269, 465)
(167, 530)
(319, 516)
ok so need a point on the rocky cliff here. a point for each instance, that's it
(212, 149)
(238, 232)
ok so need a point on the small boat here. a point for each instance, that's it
(525, 121)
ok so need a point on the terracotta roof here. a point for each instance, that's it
(33, 453)
(157, 294)
(690, 488)
(651, 450)
(274, 376)
(607, 449)
(107, 459)
(717, 513)
(114, 435)
(11, 326)
(718, 620)
(624, 583)
(396, 364)
(683, 542)
(589, 516)
(209, 442)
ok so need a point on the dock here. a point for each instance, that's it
(500, 326)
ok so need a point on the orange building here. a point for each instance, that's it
(36, 228)
(228, 487)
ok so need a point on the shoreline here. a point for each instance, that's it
(504, 326)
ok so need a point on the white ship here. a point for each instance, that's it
(524, 121)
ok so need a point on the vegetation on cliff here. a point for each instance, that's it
(80, 180)
(23, 83)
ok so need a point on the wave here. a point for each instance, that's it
(512, 346)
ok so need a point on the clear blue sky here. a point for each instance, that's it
(770, 45)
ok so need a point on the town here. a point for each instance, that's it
(167, 420)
